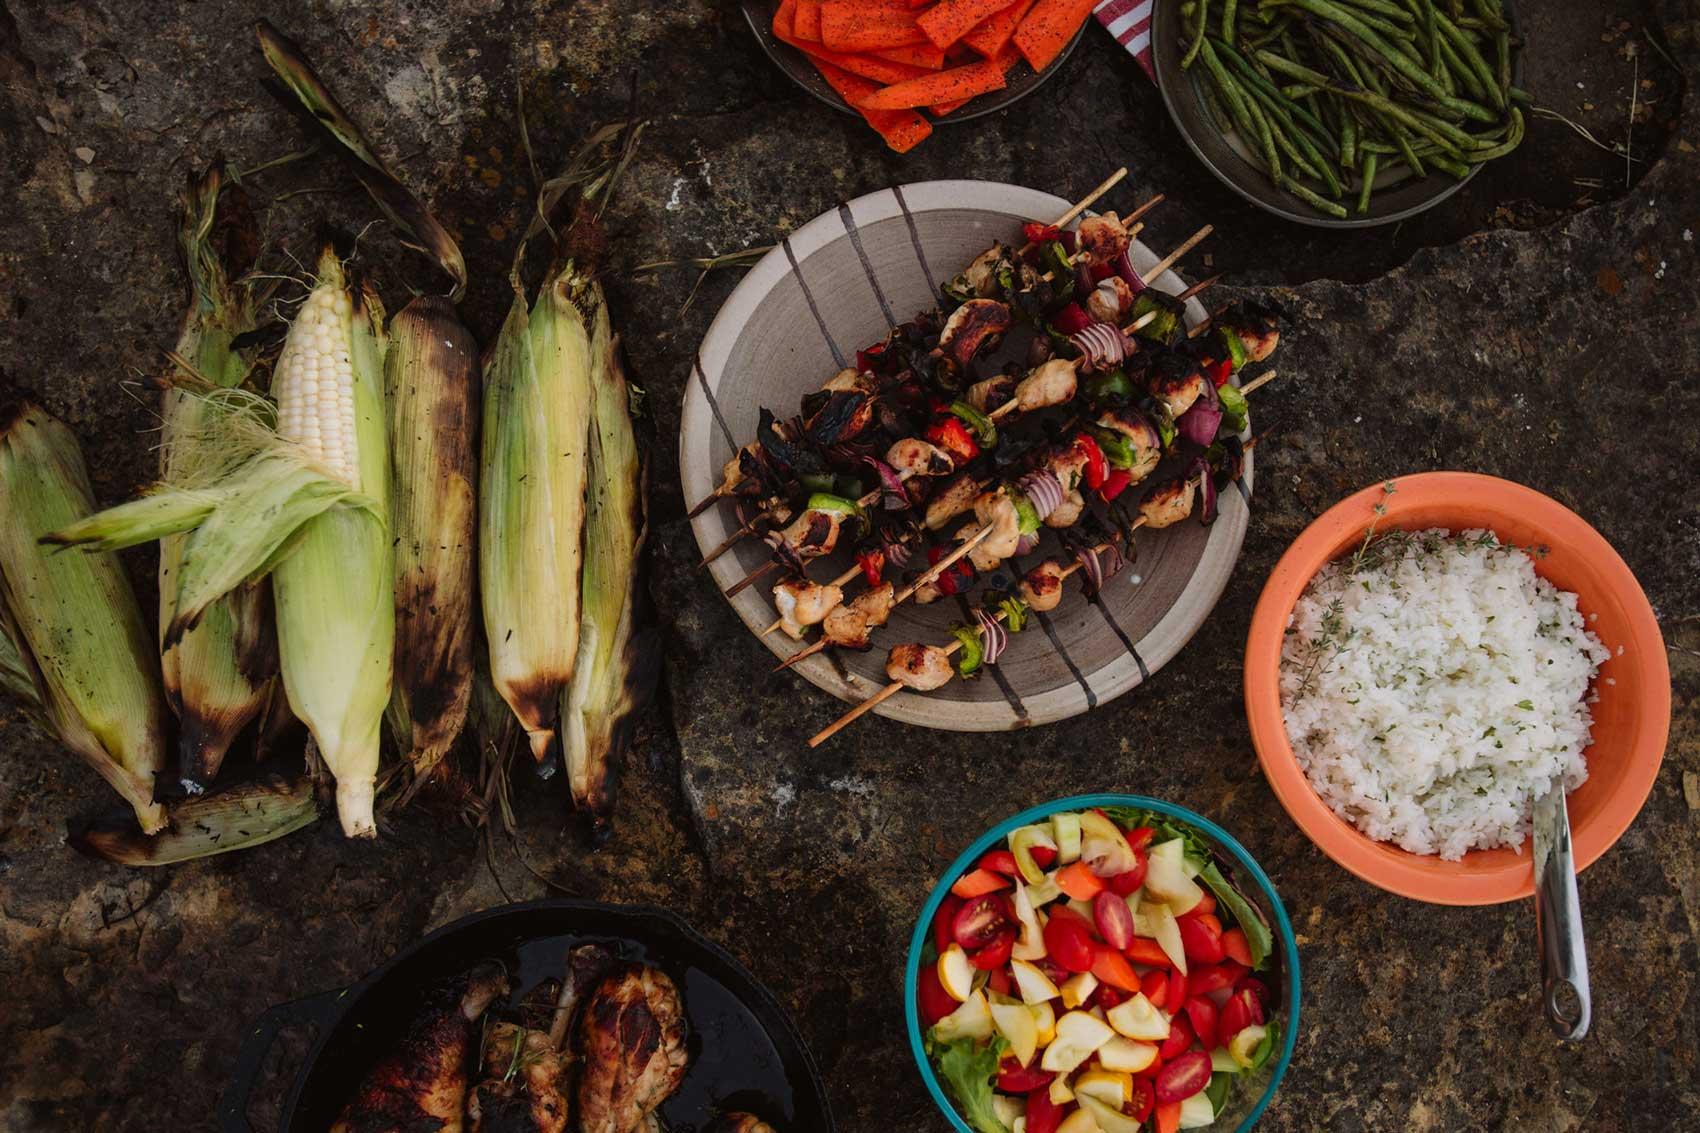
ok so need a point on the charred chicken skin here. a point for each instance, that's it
(632, 1046)
(420, 1086)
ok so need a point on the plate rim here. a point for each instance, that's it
(1200, 595)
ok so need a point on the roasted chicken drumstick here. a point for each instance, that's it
(632, 1046)
(420, 1086)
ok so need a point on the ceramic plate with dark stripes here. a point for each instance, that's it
(798, 317)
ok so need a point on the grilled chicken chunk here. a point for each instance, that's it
(1167, 505)
(803, 603)
(632, 1045)
(920, 667)
(420, 1086)
(847, 626)
(1042, 588)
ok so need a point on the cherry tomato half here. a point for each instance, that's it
(1068, 940)
(996, 954)
(1207, 978)
(1155, 985)
(1113, 918)
(1043, 856)
(1014, 1078)
(1143, 1101)
(1043, 1115)
(1140, 837)
(999, 861)
(1201, 1013)
(1241, 1011)
(1180, 1037)
(1200, 941)
(1183, 1077)
(944, 921)
(981, 921)
(1125, 883)
(931, 999)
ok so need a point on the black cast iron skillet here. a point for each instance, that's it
(745, 1053)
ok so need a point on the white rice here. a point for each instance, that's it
(1434, 687)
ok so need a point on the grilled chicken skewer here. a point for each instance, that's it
(1064, 465)
(927, 667)
(1051, 383)
(421, 1083)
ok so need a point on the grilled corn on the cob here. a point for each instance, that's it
(431, 383)
(333, 589)
(218, 675)
(71, 619)
(235, 817)
(537, 406)
(617, 661)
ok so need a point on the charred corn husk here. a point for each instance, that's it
(431, 385)
(218, 675)
(617, 661)
(72, 621)
(236, 817)
(333, 589)
(535, 458)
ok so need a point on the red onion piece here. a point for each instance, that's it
(1124, 268)
(1043, 490)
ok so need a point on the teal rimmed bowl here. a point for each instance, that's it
(1245, 1105)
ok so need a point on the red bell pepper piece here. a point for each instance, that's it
(1115, 483)
(873, 565)
(952, 434)
(1035, 233)
(1070, 319)
(1097, 468)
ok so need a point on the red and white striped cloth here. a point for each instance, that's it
(1130, 22)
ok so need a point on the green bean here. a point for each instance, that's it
(1294, 140)
(1449, 165)
(1512, 141)
(1466, 74)
(1230, 95)
(1203, 14)
(1467, 51)
(1518, 94)
(1400, 62)
(1321, 204)
(1298, 91)
(1228, 10)
(1258, 81)
(1413, 120)
(1431, 32)
(1402, 143)
(1266, 139)
(1213, 104)
(1368, 185)
(1502, 52)
(1383, 7)
(1348, 141)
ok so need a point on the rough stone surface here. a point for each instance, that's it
(1540, 326)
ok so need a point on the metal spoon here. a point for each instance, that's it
(1558, 918)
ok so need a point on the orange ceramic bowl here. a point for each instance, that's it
(1631, 716)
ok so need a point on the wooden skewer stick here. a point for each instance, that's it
(931, 574)
(1173, 257)
(731, 540)
(760, 572)
(895, 687)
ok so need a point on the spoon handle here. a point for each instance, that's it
(1558, 919)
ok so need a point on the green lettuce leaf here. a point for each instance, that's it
(968, 1068)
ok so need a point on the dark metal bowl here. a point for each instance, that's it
(1183, 95)
(745, 1053)
(1023, 81)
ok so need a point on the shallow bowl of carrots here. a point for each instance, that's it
(904, 65)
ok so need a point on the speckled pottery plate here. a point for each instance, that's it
(838, 283)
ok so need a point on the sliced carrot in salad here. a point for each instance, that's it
(1047, 29)
(950, 20)
(1236, 947)
(978, 883)
(849, 25)
(1148, 952)
(1168, 1117)
(992, 36)
(940, 86)
(902, 130)
(1078, 881)
(1112, 968)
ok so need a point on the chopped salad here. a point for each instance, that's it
(1100, 973)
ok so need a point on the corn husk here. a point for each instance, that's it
(260, 501)
(431, 386)
(71, 620)
(235, 817)
(532, 478)
(618, 659)
(218, 675)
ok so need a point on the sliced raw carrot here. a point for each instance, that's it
(991, 37)
(938, 86)
(1047, 29)
(950, 20)
(978, 883)
(806, 22)
(940, 109)
(881, 71)
(923, 55)
(784, 20)
(1168, 1117)
(1079, 882)
(847, 25)
(902, 130)
(1111, 967)
(1144, 950)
